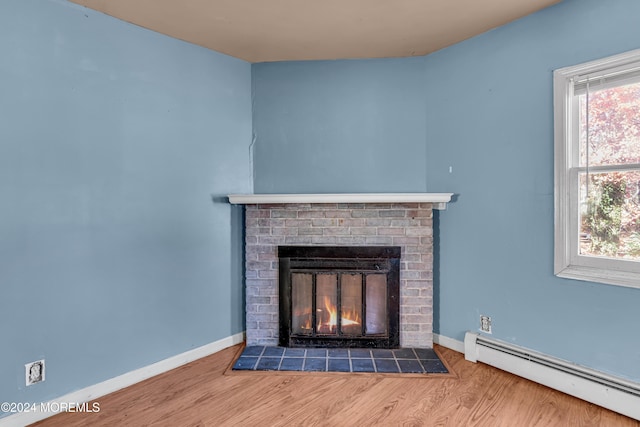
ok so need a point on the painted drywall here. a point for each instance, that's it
(339, 126)
(475, 119)
(116, 143)
(490, 118)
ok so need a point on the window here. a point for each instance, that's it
(597, 170)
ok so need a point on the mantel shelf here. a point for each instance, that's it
(439, 200)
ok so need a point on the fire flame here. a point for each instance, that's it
(349, 317)
(307, 324)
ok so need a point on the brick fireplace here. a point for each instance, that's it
(403, 220)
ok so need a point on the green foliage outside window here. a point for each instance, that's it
(609, 137)
(604, 213)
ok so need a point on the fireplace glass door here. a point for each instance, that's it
(339, 296)
(339, 307)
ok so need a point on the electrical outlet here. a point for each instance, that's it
(34, 372)
(485, 324)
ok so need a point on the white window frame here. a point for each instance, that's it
(568, 262)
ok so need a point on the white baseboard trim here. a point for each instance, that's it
(117, 383)
(449, 343)
(618, 394)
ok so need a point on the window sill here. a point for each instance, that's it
(600, 275)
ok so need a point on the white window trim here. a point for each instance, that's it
(567, 261)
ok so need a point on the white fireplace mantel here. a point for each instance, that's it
(439, 200)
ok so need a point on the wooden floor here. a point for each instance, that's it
(206, 393)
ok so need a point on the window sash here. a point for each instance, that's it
(569, 83)
(619, 167)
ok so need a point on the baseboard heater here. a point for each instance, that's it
(610, 392)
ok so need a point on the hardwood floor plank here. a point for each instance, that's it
(207, 393)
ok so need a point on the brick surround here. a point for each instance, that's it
(408, 225)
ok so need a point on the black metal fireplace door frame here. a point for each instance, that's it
(340, 259)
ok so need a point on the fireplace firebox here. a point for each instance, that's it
(339, 296)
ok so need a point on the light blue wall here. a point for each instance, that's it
(115, 145)
(339, 126)
(483, 107)
(114, 254)
(490, 117)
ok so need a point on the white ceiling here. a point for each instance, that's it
(284, 30)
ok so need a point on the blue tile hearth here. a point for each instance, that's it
(400, 361)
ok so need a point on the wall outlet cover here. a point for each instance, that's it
(485, 324)
(34, 372)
